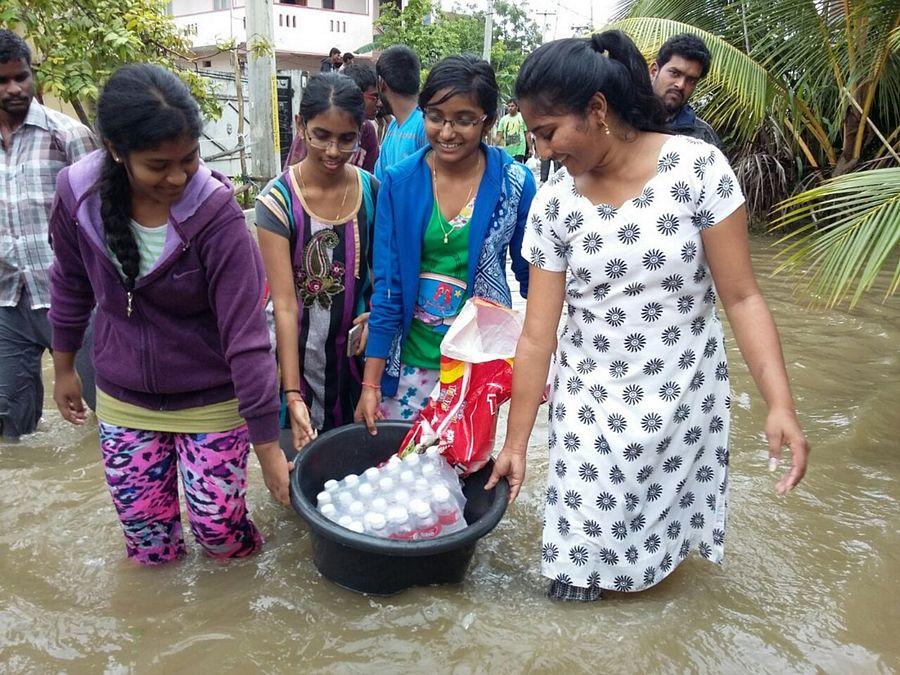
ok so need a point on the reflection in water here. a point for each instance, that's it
(809, 581)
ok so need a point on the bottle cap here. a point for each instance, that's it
(419, 508)
(344, 521)
(366, 490)
(386, 484)
(379, 504)
(428, 470)
(407, 477)
(357, 509)
(413, 459)
(331, 485)
(394, 460)
(440, 493)
(323, 498)
(371, 473)
(397, 515)
(375, 521)
(433, 451)
(356, 526)
(400, 497)
(328, 511)
(345, 498)
(351, 480)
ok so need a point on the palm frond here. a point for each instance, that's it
(849, 228)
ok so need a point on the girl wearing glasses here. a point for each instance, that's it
(315, 224)
(446, 217)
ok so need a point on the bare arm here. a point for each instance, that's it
(276, 257)
(728, 253)
(535, 347)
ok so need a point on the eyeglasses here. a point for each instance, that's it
(435, 118)
(346, 146)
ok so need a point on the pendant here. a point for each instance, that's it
(445, 238)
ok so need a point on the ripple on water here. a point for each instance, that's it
(808, 582)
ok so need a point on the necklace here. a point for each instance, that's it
(441, 219)
(337, 217)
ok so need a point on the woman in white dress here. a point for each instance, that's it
(638, 233)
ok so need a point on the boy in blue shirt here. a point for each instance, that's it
(398, 71)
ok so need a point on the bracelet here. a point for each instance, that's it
(371, 386)
(293, 391)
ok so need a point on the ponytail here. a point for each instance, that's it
(564, 75)
(115, 211)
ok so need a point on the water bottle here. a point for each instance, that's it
(372, 474)
(386, 485)
(399, 526)
(351, 480)
(400, 497)
(425, 525)
(345, 521)
(357, 510)
(380, 505)
(356, 526)
(407, 479)
(412, 460)
(375, 524)
(329, 511)
(449, 513)
(331, 485)
(392, 466)
(344, 500)
(323, 498)
(366, 491)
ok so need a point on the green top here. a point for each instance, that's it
(150, 242)
(442, 286)
(512, 130)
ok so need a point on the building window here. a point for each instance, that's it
(332, 25)
(293, 22)
(327, 4)
(345, 26)
(207, 64)
(221, 4)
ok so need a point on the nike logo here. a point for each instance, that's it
(177, 275)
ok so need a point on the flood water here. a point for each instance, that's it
(809, 582)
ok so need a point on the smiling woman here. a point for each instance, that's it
(642, 224)
(185, 378)
(447, 217)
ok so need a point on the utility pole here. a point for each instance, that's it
(546, 24)
(264, 144)
(488, 30)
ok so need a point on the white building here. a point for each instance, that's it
(305, 30)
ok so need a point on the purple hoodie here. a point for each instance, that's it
(197, 331)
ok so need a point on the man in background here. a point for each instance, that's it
(398, 70)
(511, 134)
(364, 76)
(37, 143)
(333, 62)
(682, 62)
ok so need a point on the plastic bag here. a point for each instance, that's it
(460, 418)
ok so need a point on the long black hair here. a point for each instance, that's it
(563, 76)
(328, 90)
(141, 106)
(464, 75)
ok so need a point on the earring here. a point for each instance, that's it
(605, 127)
(117, 160)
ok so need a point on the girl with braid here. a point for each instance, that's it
(185, 375)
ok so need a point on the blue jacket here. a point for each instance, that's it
(405, 203)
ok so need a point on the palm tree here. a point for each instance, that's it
(809, 88)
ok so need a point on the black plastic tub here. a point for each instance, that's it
(367, 564)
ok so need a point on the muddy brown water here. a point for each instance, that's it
(809, 582)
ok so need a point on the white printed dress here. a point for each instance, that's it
(639, 408)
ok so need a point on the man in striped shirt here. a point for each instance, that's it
(37, 143)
